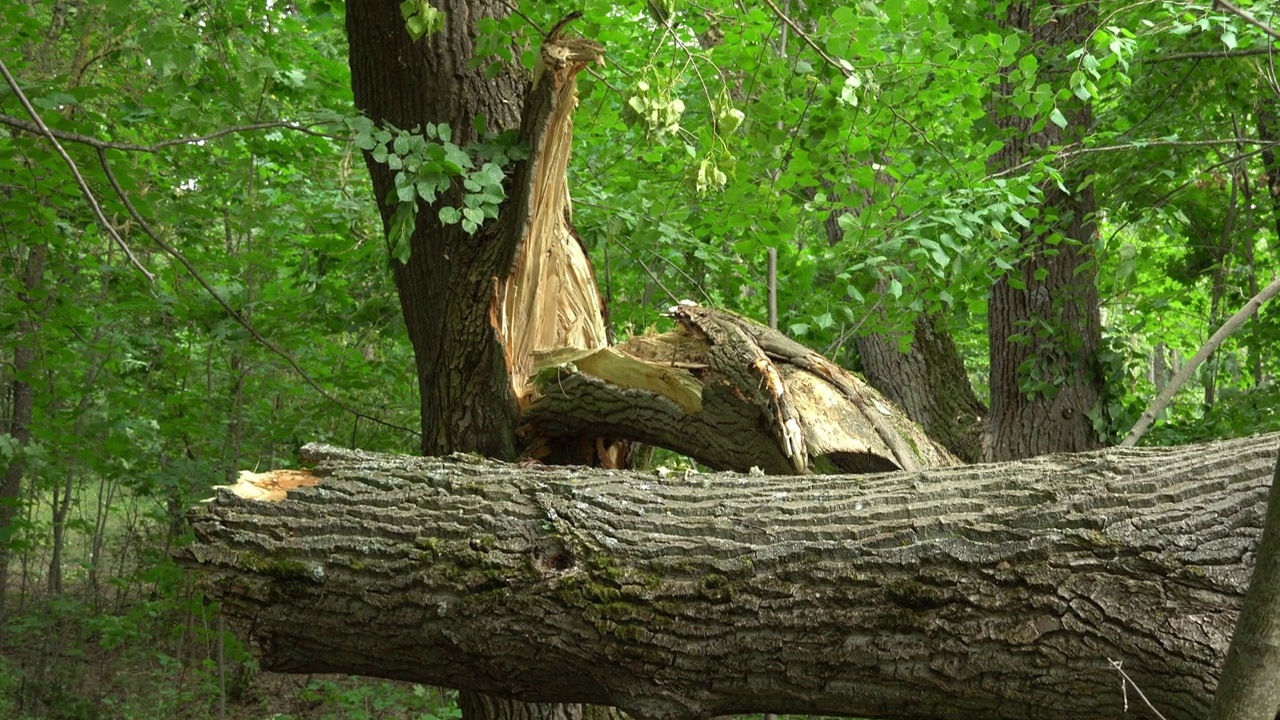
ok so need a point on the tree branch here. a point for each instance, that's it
(1210, 55)
(20, 124)
(1224, 332)
(75, 171)
(1247, 18)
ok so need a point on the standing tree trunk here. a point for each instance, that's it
(22, 408)
(446, 286)
(1044, 325)
(1268, 113)
(1248, 687)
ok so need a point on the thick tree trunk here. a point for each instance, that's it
(446, 287)
(998, 591)
(1045, 334)
(477, 306)
(929, 383)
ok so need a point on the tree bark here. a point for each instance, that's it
(477, 307)
(929, 383)
(1044, 336)
(996, 591)
(1250, 685)
(21, 407)
(446, 287)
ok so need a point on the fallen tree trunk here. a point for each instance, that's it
(989, 591)
(730, 393)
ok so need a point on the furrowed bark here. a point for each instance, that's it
(993, 591)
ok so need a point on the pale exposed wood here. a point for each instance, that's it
(269, 486)
(550, 299)
(984, 592)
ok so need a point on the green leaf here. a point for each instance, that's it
(1027, 64)
(450, 215)
(1009, 48)
(1058, 118)
(403, 223)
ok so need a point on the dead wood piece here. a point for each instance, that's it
(719, 384)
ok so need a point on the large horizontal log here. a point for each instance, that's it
(990, 591)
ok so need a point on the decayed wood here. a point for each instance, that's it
(990, 591)
(732, 394)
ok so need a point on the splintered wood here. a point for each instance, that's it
(729, 393)
(550, 300)
(271, 486)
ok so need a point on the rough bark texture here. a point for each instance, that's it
(467, 299)
(1045, 383)
(1250, 686)
(732, 394)
(996, 591)
(929, 383)
(446, 288)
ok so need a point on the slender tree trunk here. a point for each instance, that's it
(1269, 132)
(22, 403)
(1044, 326)
(1221, 253)
(1249, 687)
(61, 508)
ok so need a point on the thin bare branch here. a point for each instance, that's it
(21, 124)
(1247, 18)
(1224, 332)
(1126, 682)
(1074, 150)
(1209, 55)
(75, 171)
(844, 70)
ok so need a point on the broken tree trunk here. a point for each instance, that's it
(732, 394)
(991, 591)
(738, 384)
